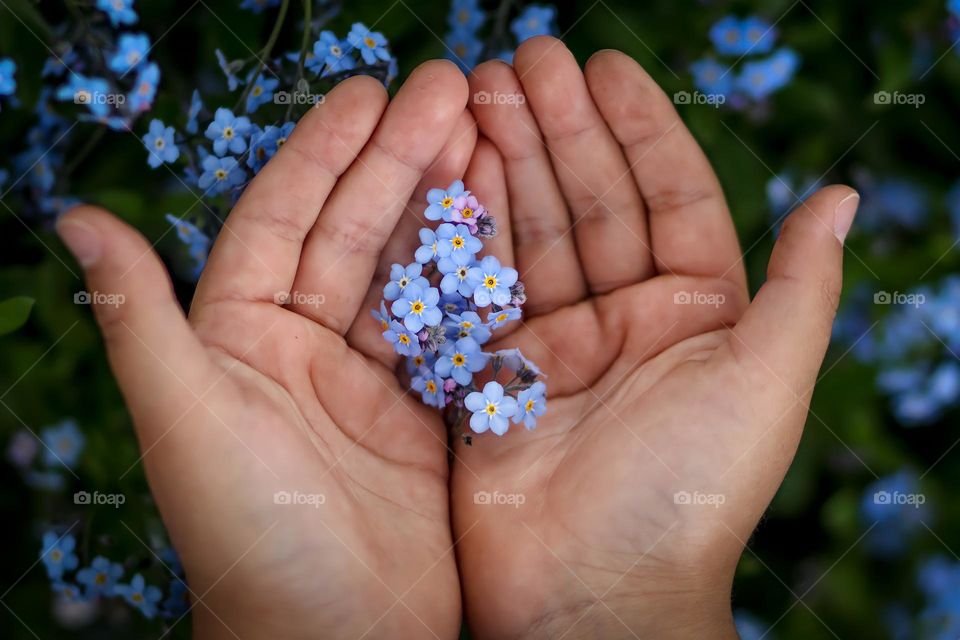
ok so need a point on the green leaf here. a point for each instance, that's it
(14, 313)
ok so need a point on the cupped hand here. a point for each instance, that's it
(305, 492)
(675, 405)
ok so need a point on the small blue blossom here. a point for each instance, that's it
(64, 443)
(100, 577)
(711, 77)
(760, 78)
(896, 509)
(404, 342)
(382, 316)
(460, 360)
(196, 241)
(430, 387)
(160, 144)
(514, 360)
(131, 52)
(59, 63)
(728, 38)
(220, 174)
(193, 112)
(496, 319)
(401, 277)
(464, 48)
(420, 363)
(265, 143)
(534, 20)
(758, 35)
(90, 92)
(261, 92)
(749, 627)
(330, 56)
(178, 601)
(491, 409)
(140, 595)
(228, 132)
(428, 246)
(417, 307)
(452, 303)
(68, 591)
(466, 16)
(144, 89)
(8, 83)
(228, 69)
(119, 11)
(467, 324)
(457, 243)
(441, 201)
(491, 283)
(57, 554)
(455, 277)
(531, 404)
(370, 44)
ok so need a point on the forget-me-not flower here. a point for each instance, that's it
(491, 283)
(417, 306)
(440, 201)
(531, 404)
(491, 409)
(401, 277)
(460, 360)
(160, 144)
(58, 555)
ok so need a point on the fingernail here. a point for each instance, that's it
(843, 217)
(82, 240)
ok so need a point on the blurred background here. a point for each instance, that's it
(108, 101)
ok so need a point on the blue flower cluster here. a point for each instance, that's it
(939, 582)
(101, 579)
(43, 461)
(891, 202)
(896, 508)
(434, 318)
(466, 19)
(760, 76)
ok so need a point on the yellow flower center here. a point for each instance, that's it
(55, 555)
(431, 386)
(159, 144)
(257, 90)
(404, 338)
(457, 242)
(419, 360)
(335, 50)
(403, 282)
(467, 212)
(280, 142)
(447, 202)
(101, 578)
(466, 324)
(501, 317)
(416, 307)
(384, 325)
(137, 597)
(228, 133)
(220, 174)
(491, 409)
(370, 42)
(529, 405)
(463, 16)
(490, 282)
(459, 359)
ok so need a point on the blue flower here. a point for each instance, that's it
(422, 362)
(8, 83)
(382, 316)
(711, 77)
(68, 591)
(749, 627)
(228, 132)
(535, 20)
(370, 44)
(401, 276)
(59, 63)
(228, 68)
(452, 303)
(760, 78)
(178, 601)
(467, 324)
(491, 283)
(430, 387)
(131, 52)
(460, 360)
(91, 92)
(100, 576)
(160, 145)
(441, 201)
(404, 342)
(259, 5)
(464, 48)
(57, 554)
(428, 246)
(261, 92)
(119, 11)
(457, 243)
(531, 404)
(896, 508)
(145, 88)
(491, 409)
(195, 106)
(466, 16)
(64, 443)
(220, 174)
(514, 360)
(329, 55)
(417, 306)
(140, 595)
(455, 277)
(728, 38)
(496, 319)
(758, 35)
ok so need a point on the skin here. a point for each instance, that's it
(609, 209)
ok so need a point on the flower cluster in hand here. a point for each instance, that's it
(468, 48)
(759, 77)
(431, 314)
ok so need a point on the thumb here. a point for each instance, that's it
(160, 364)
(786, 329)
